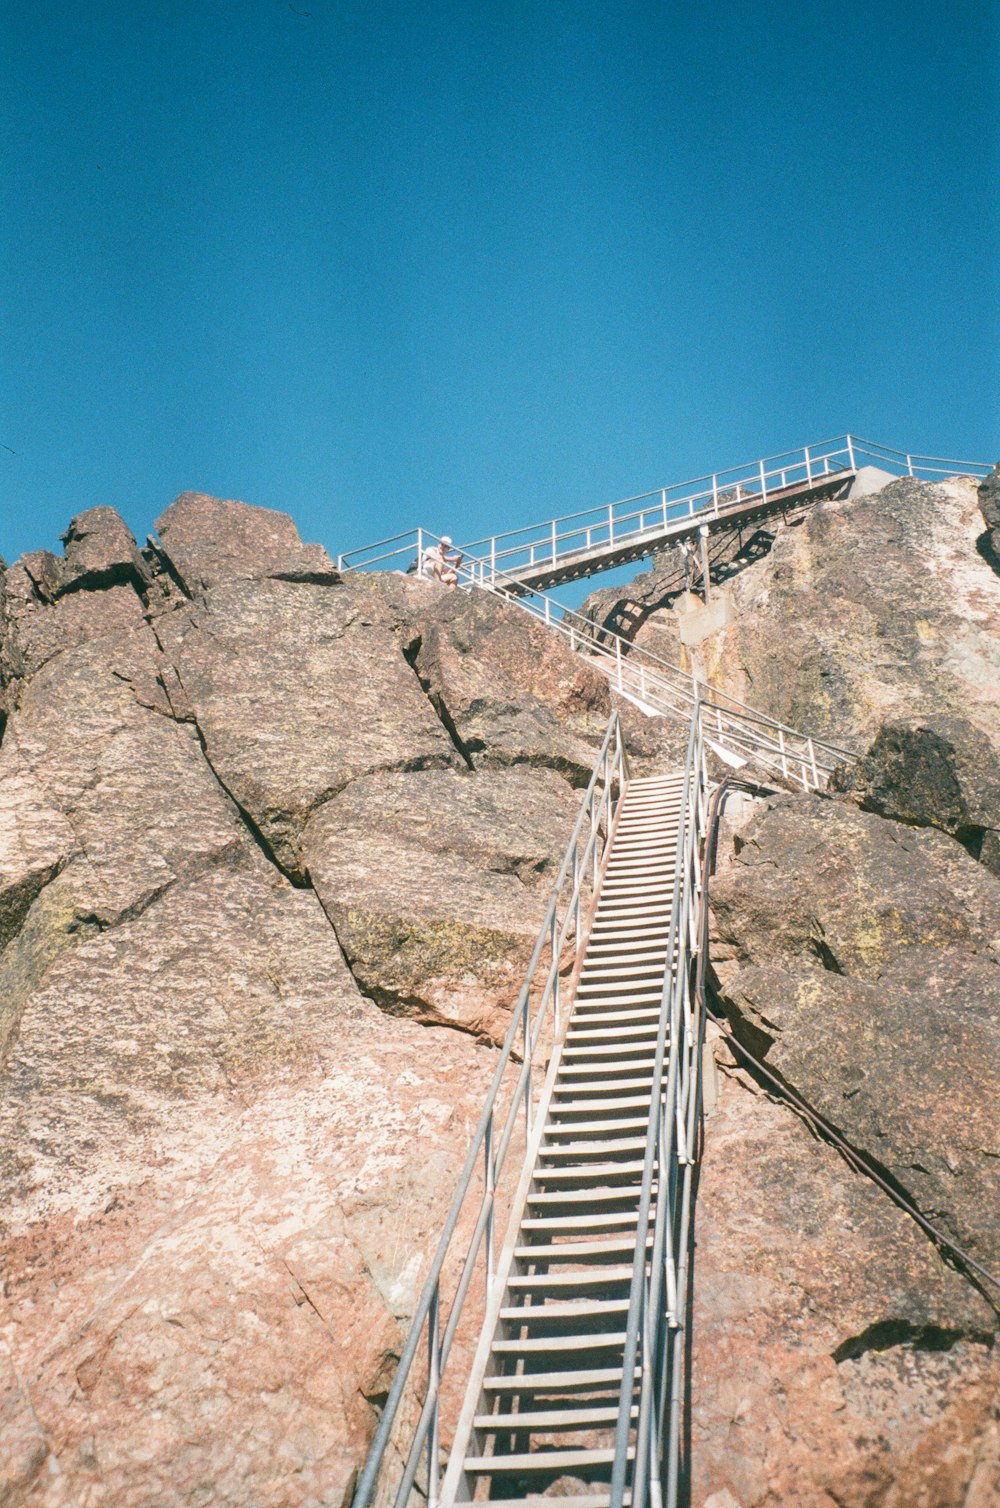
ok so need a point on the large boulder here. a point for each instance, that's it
(436, 884)
(933, 772)
(514, 692)
(296, 690)
(211, 540)
(99, 550)
(864, 966)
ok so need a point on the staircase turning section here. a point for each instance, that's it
(547, 1389)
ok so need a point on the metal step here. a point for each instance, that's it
(595, 1277)
(537, 1420)
(543, 1461)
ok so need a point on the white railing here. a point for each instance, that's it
(583, 541)
(733, 731)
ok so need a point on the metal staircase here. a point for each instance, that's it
(545, 1391)
(569, 1331)
(550, 1364)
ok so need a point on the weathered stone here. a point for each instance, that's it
(836, 1358)
(99, 551)
(874, 991)
(185, 1305)
(937, 772)
(870, 609)
(297, 690)
(989, 506)
(436, 884)
(824, 885)
(44, 629)
(513, 692)
(211, 540)
(133, 786)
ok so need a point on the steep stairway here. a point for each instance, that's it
(544, 1394)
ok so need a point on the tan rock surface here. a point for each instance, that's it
(837, 1362)
(436, 883)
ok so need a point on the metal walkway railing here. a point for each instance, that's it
(599, 1168)
(579, 544)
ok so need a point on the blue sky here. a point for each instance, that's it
(472, 264)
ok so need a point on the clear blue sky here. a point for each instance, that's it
(380, 262)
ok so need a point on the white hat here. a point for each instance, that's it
(446, 539)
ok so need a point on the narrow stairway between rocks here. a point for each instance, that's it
(543, 1399)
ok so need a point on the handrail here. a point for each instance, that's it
(562, 923)
(644, 676)
(658, 1296)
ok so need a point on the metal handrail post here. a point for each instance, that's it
(850, 452)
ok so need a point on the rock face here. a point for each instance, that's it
(871, 609)
(436, 884)
(224, 1163)
(265, 831)
(838, 1363)
(870, 981)
(989, 505)
(933, 772)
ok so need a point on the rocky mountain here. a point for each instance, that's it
(274, 847)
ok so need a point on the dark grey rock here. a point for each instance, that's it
(933, 772)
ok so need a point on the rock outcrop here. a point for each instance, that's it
(274, 847)
(247, 810)
(869, 980)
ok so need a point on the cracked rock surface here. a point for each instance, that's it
(223, 1165)
(265, 831)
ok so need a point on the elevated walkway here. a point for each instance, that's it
(551, 565)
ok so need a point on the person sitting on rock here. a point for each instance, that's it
(438, 565)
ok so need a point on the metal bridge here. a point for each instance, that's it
(547, 1354)
(595, 539)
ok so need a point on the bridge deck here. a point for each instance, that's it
(576, 564)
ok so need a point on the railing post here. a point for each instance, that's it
(420, 551)
(554, 544)
(663, 495)
(611, 524)
(850, 452)
(493, 558)
(808, 468)
(909, 465)
(618, 660)
(763, 482)
(526, 1018)
(715, 494)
